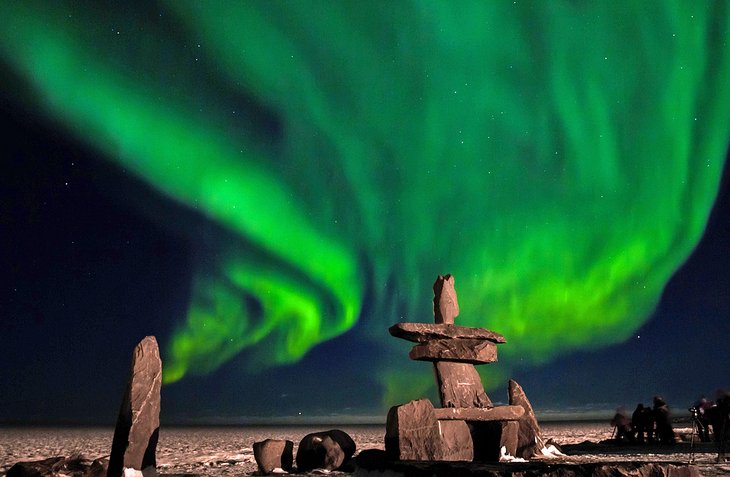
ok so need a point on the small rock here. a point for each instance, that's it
(272, 454)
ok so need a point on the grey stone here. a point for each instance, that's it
(459, 350)
(274, 453)
(498, 413)
(459, 385)
(529, 441)
(135, 436)
(324, 450)
(422, 332)
(445, 304)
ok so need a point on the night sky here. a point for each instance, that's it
(266, 187)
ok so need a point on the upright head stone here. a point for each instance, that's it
(445, 305)
(138, 424)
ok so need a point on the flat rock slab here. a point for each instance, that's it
(372, 466)
(456, 350)
(423, 332)
(498, 413)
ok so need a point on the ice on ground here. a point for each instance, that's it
(551, 452)
(505, 457)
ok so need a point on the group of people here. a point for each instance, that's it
(708, 415)
(711, 420)
(646, 424)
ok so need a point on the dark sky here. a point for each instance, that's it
(94, 256)
(85, 277)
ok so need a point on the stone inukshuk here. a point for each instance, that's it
(418, 431)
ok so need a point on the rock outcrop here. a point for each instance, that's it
(135, 436)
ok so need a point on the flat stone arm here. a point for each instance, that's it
(423, 332)
(498, 413)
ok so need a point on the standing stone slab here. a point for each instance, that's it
(459, 385)
(271, 454)
(138, 424)
(529, 442)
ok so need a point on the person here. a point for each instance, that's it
(663, 419)
(719, 418)
(642, 423)
(622, 423)
(699, 417)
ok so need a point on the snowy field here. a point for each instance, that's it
(227, 451)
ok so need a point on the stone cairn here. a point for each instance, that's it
(467, 426)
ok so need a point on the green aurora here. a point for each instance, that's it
(559, 158)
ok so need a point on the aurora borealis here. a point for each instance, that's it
(559, 159)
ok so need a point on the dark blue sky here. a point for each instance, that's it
(86, 276)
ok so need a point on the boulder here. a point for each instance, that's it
(327, 450)
(272, 454)
(529, 441)
(445, 304)
(412, 432)
(135, 436)
(423, 332)
(458, 350)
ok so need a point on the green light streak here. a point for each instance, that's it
(559, 159)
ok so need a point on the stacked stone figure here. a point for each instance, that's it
(467, 426)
